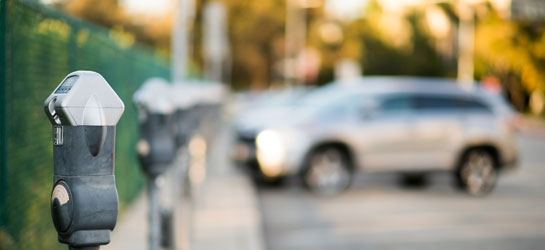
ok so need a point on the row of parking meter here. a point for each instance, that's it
(84, 111)
(168, 115)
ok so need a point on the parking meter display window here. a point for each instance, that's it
(67, 85)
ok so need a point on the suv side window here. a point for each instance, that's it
(399, 103)
(474, 105)
(430, 103)
(448, 103)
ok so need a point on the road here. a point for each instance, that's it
(379, 213)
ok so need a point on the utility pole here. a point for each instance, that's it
(295, 41)
(183, 17)
(466, 43)
(215, 41)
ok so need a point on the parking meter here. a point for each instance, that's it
(156, 148)
(84, 111)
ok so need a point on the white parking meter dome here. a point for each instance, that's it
(182, 95)
(200, 92)
(84, 98)
(212, 93)
(154, 96)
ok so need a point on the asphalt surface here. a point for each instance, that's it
(378, 212)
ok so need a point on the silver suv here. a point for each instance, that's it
(406, 125)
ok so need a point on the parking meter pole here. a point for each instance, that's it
(154, 214)
(84, 111)
(85, 248)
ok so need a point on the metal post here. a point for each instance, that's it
(301, 57)
(215, 42)
(295, 40)
(466, 43)
(289, 43)
(154, 214)
(3, 111)
(180, 39)
(84, 248)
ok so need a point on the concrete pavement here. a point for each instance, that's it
(379, 213)
(221, 213)
(226, 208)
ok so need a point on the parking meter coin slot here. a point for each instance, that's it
(95, 202)
(61, 206)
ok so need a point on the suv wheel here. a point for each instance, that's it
(477, 173)
(328, 171)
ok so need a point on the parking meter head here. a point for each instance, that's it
(211, 93)
(181, 96)
(84, 98)
(154, 97)
(84, 111)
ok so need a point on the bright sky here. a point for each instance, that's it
(339, 8)
(152, 8)
(345, 9)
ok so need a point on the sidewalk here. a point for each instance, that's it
(222, 214)
(227, 216)
(226, 211)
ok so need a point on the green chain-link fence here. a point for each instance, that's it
(38, 47)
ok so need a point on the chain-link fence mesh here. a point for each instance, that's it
(38, 47)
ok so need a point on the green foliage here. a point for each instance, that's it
(41, 47)
(512, 51)
(256, 31)
(421, 60)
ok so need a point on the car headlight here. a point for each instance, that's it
(271, 152)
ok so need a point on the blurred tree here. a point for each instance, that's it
(388, 44)
(512, 51)
(105, 12)
(383, 42)
(152, 31)
(414, 56)
(256, 30)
